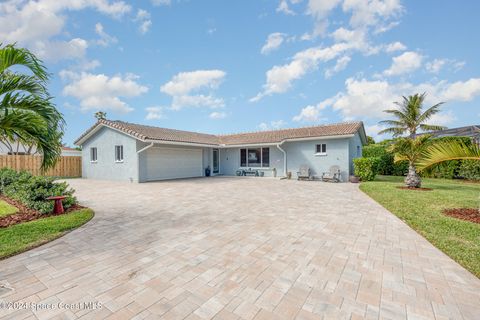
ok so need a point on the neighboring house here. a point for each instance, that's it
(469, 131)
(21, 149)
(117, 150)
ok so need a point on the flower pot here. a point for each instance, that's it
(354, 179)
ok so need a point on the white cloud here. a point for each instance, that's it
(373, 131)
(272, 125)
(319, 10)
(340, 65)
(284, 8)
(442, 118)
(405, 63)
(436, 65)
(161, 2)
(105, 39)
(280, 78)
(395, 46)
(154, 113)
(312, 113)
(273, 42)
(217, 115)
(98, 91)
(144, 21)
(184, 85)
(364, 97)
(373, 13)
(35, 24)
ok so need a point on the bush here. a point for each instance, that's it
(444, 170)
(32, 191)
(385, 166)
(470, 169)
(366, 168)
(400, 168)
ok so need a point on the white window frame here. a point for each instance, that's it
(119, 156)
(92, 153)
(261, 158)
(323, 146)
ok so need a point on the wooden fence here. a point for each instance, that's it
(65, 167)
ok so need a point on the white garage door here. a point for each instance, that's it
(166, 163)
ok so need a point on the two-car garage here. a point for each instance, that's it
(171, 163)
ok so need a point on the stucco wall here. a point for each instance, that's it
(354, 142)
(106, 168)
(230, 161)
(301, 153)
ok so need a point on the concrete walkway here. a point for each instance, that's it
(236, 248)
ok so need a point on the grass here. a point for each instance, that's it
(422, 211)
(24, 236)
(6, 209)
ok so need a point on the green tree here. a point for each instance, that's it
(100, 115)
(27, 114)
(370, 140)
(409, 119)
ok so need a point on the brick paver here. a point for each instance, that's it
(238, 248)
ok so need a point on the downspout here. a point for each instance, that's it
(284, 158)
(138, 159)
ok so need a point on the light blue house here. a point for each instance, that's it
(117, 150)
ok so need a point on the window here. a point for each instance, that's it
(321, 148)
(93, 154)
(118, 153)
(255, 157)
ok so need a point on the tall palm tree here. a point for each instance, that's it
(409, 119)
(448, 150)
(27, 114)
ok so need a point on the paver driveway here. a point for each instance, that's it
(239, 248)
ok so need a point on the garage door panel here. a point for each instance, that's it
(170, 163)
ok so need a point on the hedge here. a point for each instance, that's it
(366, 168)
(32, 191)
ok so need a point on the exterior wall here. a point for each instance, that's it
(301, 153)
(106, 168)
(353, 143)
(142, 164)
(71, 153)
(230, 161)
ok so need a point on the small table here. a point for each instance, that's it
(58, 206)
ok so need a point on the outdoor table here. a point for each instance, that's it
(58, 207)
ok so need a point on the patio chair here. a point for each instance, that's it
(304, 173)
(333, 175)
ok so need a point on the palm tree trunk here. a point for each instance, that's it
(412, 180)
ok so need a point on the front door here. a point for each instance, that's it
(215, 160)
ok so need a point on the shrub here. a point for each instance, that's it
(366, 168)
(386, 164)
(444, 170)
(400, 168)
(470, 169)
(32, 191)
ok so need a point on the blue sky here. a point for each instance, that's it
(233, 66)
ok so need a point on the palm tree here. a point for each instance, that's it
(27, 114)
(409, 119)
(448, 150)
(100, 115)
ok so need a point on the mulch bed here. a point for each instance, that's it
(25, 214)
(415, 189)
(469, 214)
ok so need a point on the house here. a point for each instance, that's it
(472, 132)
(117, 150)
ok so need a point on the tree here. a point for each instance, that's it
(100, 115)
(409, 119)
(370, 140)
(27, 114)
(448, 150)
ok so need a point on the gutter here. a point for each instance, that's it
(284, 158)
(145, 148)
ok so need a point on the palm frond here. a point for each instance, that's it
(447, 150)
(13, 82)
(11, 56)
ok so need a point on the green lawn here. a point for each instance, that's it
(24, 236)
(6, 209)
(422, 210)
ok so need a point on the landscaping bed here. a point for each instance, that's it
(469, 214)
(26, 213)
(424, 212)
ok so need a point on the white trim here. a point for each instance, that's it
(284, 159)
(98, 127)
(343, 136)
(145, 148)
(320, 154)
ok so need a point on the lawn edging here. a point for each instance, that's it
(25, 236)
